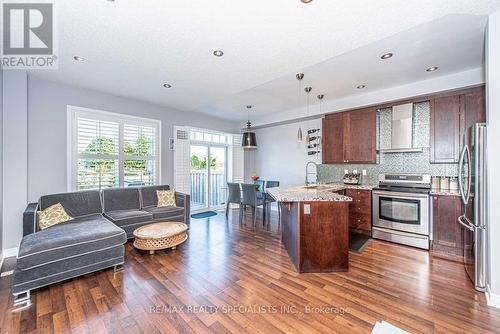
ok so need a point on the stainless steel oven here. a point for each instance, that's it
(401, 209)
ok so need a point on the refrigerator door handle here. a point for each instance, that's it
(463, 194)
(467, 224)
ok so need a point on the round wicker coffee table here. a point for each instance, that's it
(161, 235)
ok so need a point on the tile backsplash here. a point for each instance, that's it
(395, 162)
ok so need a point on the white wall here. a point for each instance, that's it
(35, 143)
(47, 142)
(493, 119)
(14, 187)
(1, 167)
(279, 156)
(458, 80)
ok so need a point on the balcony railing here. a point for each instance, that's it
(217, 192)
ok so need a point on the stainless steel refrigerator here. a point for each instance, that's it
(472, 185)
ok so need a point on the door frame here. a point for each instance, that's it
(209, 172)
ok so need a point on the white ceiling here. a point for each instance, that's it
(132, 47)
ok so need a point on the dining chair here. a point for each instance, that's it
(233, 196)
(249, 198)
(261, 192)
(270, 199)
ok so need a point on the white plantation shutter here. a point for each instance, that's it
(237, 169)
(182, 160)
(98, 148)
(111, 150)
(139, 154)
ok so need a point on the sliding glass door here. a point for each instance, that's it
(208, 176)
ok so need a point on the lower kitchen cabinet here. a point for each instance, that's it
(447, 233)
(360, 211)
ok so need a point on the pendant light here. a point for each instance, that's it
(299, 77)
(248, 140)
(307, 90)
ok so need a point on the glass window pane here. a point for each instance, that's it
(97, 174)
(138, 173)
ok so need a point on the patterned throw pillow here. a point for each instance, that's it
(53, 215)
(166, 197)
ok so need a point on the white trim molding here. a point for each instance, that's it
(121, 120)
(10, 252)
(492, 299)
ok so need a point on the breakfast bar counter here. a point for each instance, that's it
(315, 226)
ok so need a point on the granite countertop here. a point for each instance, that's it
(439, 192)
(317, 193)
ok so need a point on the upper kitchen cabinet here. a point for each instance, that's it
(445, 129)
(451, 119)
(333, 139)
(350, 137)
(474, 106)
(361, 143)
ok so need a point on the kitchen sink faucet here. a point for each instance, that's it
(309, 173)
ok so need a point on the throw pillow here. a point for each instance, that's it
(53, 215)
(166, 197)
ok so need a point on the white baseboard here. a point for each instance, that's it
(9, 252)
(493, 299)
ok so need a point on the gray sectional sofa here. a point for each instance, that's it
(93, 240)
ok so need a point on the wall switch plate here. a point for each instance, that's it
(307, 209)
(346, 171)
(364, 172)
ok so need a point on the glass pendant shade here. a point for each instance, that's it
(249, 140)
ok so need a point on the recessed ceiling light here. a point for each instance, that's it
(166, 85)
(306, 1)
(218, 53)
(386, 55)
(78, 58)
(361, 86)
(432, 69)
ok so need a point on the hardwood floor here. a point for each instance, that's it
(229, 278)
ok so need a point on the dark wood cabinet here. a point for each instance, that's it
(473, 104)
(447, 233)
(333, 139)
(317, 240)
(360, 211)
(350, 137)
(451, 119)
(361, 143)
(445, 129)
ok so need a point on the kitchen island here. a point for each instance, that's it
(315, 227)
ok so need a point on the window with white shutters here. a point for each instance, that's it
(111, 150)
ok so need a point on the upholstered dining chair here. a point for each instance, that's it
(234, 196)
(261, 191)
(250, 198)
(270, 199)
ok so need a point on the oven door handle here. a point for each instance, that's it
(465, 222)
(400, 195)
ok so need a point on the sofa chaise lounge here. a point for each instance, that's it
(93, 240)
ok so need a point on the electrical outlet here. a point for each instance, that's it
(307, 209)
(364, 172)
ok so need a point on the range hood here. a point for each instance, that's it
(402, 130)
